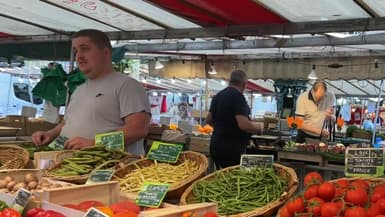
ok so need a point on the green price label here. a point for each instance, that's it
(58, 143)
(100, 176)
(152, 194)
(166, 152)
(364, 162)
(113, 140)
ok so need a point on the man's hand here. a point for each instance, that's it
(41, 138)
(325, 133)
(78, 143)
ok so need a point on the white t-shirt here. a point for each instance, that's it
(312, 113)
(100, 106)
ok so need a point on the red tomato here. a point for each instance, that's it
(342, 183)
(329, 209)
(374, 210)
(284, 212)
(359, 183)
(311, 192)
(9, 212)
(210, 214)
(380, 216)
(377, 194)
(326, 191)
(85, 205)
(314, 206)
(296, 206)
(340, 192)
(50, 213)
(125, 206)
(340, 203)
(312, 178)
(33, 212)
(381, 205)
(302, 215)
(358, 197)
(356, 212)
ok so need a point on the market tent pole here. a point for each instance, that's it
(377, 112)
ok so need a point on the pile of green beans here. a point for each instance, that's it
(241, 190)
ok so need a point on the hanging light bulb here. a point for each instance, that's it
(189, 81)
(144, 80)
(212, 70)
(158, 64)
(173, 80)
(158, 81)
(223, 83)
(312, 75)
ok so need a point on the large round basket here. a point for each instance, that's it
(80, 179)
(176, 189)
(13, 157)
(265, 211)
(372, 181)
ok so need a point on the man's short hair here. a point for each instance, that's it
(97, 37)
(238, 77)
(319, 84)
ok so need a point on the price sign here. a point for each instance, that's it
(152, 194)
(21, 200)
(113, 140)
(166, 152)
(100, 176)
(362, 162)
(58, 143)
(255, 160)
(92, 212)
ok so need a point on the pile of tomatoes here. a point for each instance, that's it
(342, 198)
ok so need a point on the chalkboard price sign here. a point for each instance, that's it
(92, 212)
(262, 161)
(112, 140)
(100, 176)
(166, 152)
(21, 200)
(362, 162)
(152, 194)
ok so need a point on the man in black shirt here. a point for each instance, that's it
(229, 115)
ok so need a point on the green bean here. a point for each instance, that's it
(240, 190)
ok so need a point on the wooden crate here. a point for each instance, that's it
(107, 193)
(44, 159)
(199, 209)
(201, 145)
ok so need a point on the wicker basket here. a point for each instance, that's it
(81, 179)
(265, 211)
(13, 157)
(372, 181)
(177, 189)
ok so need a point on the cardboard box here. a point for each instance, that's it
(15, 121)
(36, 124)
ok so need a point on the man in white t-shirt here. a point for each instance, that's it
(314, 107)
(107, 101)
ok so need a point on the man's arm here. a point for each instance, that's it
(43, 138)
(246, 125)
(135, 127)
